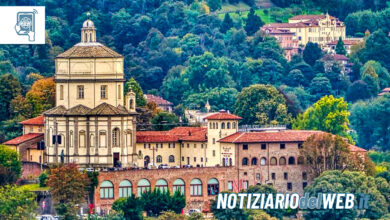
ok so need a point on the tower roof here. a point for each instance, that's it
(223, 115)
(88, 23)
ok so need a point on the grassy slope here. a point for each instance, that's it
(33, 187)
(265, 14)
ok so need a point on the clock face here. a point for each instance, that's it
(25, 22)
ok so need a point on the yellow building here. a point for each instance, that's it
(195, 146)
(93, 123)
(30, 144)
(321, 29)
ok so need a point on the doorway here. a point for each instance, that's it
(116, 159)
(146, 161)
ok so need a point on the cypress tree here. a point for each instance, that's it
(340, 47)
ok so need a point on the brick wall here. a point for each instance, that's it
(222, 174)
(31, 169)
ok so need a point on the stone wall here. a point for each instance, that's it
(31, 169)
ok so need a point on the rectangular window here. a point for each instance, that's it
(273, 176)
(119, 92)
(61, 92)
(304, 175)
(285, 176)
(300, 145)
(289, 186)
(245, 184)
(282, 146)
(213, 153)
(188, 145)
(213, 140)
(194, 145)
(182, 158)
(201, 159)
(230, 185)
(304, 184)
(103, 91)
(80, 92)
(245, 147)
(194, 159)
(263, 146)
(257, 176)
(57, 139)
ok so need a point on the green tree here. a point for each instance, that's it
(16, 203)
(376, 70)
(351, 182)
(328, 114)
(227, 214)
(312, 53)
(295, 78)
(68, 189)
(358, 90)
(227, 23)
(165, 121)
(42, 179)
(10, 165)
(320, 86)
(219, 98)
(130, 207)
(9, 89)
(136, 88)
(267, 189)
(371, 122)
(340, 49)
(214, 4)
(253, 23)
(262, 104)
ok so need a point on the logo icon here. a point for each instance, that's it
(25, 24)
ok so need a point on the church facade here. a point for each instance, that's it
(93, 123)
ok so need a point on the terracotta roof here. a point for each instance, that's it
(87, 50)
(386, 89)
(266, 137)
(309, 17)
(340, 57)
(39, 120)
(157, 99)
(346, 42)
(284, 25)
(23, 138)
(223, 115)
(173, 135)
(102, 109)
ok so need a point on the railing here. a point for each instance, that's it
(245, 128)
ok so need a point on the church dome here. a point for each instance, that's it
(88, 23)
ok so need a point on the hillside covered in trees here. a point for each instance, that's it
(189, 53)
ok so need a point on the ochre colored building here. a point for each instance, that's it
(321, 29)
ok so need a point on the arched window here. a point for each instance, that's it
(106, 190)
(131, 104)
(274, 161)
(178, 185)
(301, 160)
(234, 125)
(143, 186)
(216, 125)
(228, 125)
(140, 153)
(244, 161)
(263, 161)
(211, 125)
(282, 161)
(85, 37)
(254, 161)
(162, 185)
(90, 37)
(223, 125)
(171, 159)
(291, 161)
(159, 159)
(125, 188)
(212, 187)
(196, 187)
(115, 137)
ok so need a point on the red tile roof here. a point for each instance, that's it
(340, 57)
(157, 99)
(271, 136)
(346, 42)
(310, 17)
(223, 115)
(173, 135)
(23, 138)
(284, 25)
(34, 121)
(386, 89)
